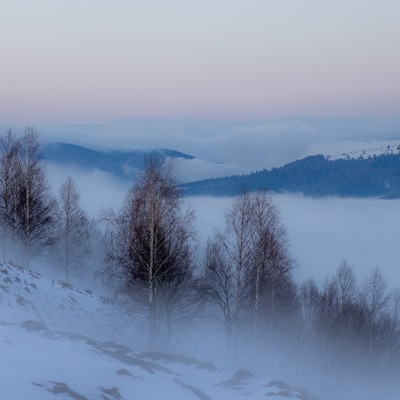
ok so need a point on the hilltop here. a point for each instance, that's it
(316, 176)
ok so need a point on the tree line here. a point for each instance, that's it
(317, 176)
(241, 283)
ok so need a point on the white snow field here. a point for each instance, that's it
(60, 343)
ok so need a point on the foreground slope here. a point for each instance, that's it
(55, 340)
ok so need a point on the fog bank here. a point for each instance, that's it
(324, 231)
(321, 232)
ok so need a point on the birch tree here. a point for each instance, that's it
(150, 244)
(269, 278)
(248, 268)
(374, 298)
(26, 203)
(237, 243)
(36, 204)
(218, 287)
(72, 247)
(9, 190)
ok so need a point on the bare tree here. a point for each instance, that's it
(218, 287)
(306, 338)
(349, 315)
(264, 223)
(345, 282)
(374, 297)
(27, 205)
(270, 274)
(36, 205)
(9, 189)
(72, 247)
(237, 244)
(248, 268)
(391, 331)
(150, 244)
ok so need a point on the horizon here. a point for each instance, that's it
(229, 147)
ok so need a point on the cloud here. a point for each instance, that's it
(323, 232)
(242, 146)
(197, 169)
(271, 145)
(99, 190)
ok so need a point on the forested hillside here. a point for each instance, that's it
(315, 176)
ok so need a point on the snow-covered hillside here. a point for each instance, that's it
(58, 341)
(373, 150)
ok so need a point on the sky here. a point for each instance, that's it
(96, 60)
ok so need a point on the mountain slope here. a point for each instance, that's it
(360, 174)
(315, 176)
(123, 164)
(55, 340)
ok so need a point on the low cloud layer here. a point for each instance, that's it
(98, 190)
(231, 147)
(323, 232)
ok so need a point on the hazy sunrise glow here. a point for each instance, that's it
(100, 60)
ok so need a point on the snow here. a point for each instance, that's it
(58, 341)
(374, 149)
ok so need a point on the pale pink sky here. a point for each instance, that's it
(98, 60)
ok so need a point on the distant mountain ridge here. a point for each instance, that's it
(124, 164)
(316, 176)
(350, 174)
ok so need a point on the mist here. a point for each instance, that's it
(321, 233)
(270, 68)
(98, 190)
(242, 146)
